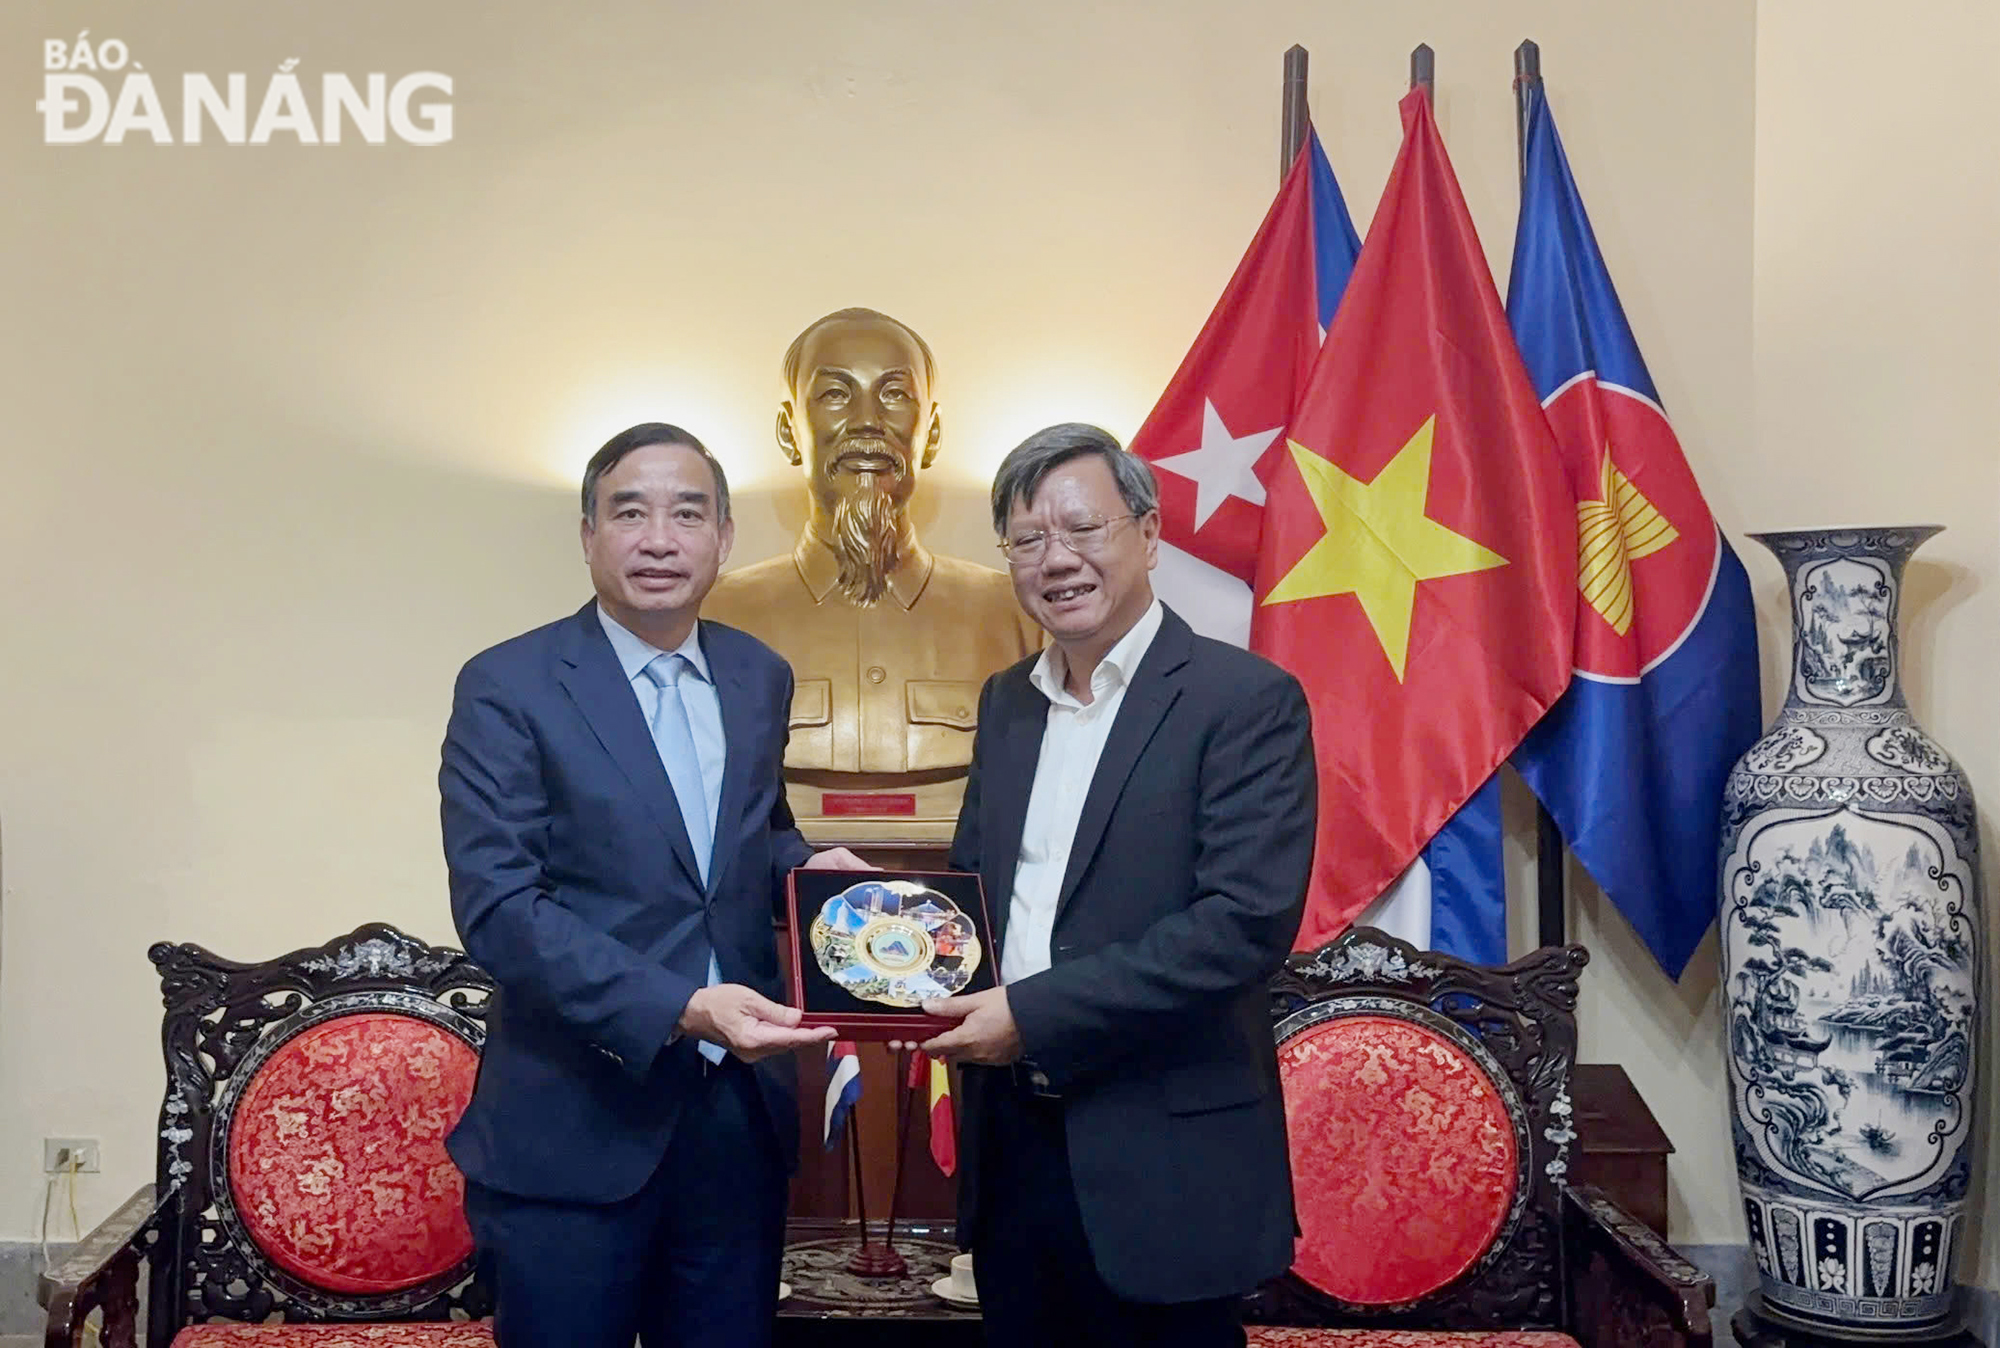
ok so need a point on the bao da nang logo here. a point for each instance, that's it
(95, 92)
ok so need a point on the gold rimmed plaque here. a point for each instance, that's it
(868, 949)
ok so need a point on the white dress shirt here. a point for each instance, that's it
(1072, 742)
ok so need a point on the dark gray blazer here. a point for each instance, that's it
(1184, 890)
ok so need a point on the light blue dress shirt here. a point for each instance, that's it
(704, 710)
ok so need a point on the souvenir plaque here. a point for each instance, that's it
(868, 948)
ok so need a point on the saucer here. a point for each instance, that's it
(784, 1290)
(941, 1289)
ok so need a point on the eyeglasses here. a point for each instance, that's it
(1084, 538)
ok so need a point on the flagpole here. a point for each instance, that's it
(854, 1172)
(1552, 925)
(1527, 78)
(869, 1260)
(1296, 121)
(906, 1097)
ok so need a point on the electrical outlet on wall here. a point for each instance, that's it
(60, 1154)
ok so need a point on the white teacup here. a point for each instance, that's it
(961, 1283)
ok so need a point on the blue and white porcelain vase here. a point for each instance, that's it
(1852, 937)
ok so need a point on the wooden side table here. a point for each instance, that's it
(1620, 1146)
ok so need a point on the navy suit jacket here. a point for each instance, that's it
(574, 885)
(1185, 886)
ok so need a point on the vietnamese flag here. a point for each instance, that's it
(944, 1121)
(1417, 567)
(932, 1072)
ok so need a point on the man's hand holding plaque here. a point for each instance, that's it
(983, 1031)
(747, 1023)
(837, 859)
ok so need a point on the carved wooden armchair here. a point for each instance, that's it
(1428, 1107)
(303, 1192)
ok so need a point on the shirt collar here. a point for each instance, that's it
(1117, 666)
(634, 652)
(820, 571)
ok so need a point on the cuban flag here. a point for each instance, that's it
(1216, 435)
(1631, 762)
(843, 1087)
(1216, 441)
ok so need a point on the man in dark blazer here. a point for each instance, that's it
(617, 835)
(1140, 809)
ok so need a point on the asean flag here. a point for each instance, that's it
(1417, 567)
(1632, 760)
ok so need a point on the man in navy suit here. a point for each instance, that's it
(1140, 808)
(617, 837)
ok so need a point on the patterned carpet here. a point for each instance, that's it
(821, 1284)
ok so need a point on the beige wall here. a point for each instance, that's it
(1878, 343)
(293, 431)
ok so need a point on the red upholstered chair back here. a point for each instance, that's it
(1428, 1110)
(308, 1100)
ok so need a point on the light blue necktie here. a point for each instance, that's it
(673, 737)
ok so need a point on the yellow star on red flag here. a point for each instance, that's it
(1379, 544)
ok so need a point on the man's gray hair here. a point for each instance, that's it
(1029, 463)
(639, 437)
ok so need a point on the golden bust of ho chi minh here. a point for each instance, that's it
(888, 642)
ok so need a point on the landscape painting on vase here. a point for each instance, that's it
(1852, 1063)
(1844, 631)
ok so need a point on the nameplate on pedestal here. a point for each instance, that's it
(867, 804)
